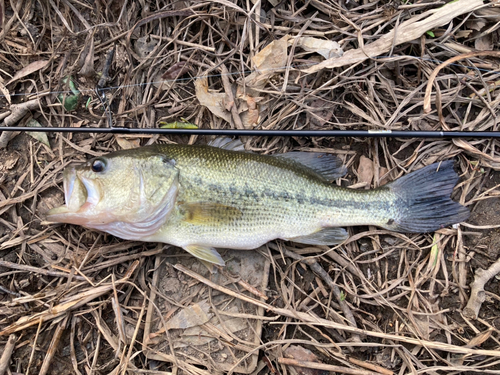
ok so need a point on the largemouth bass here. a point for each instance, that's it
(202, 197)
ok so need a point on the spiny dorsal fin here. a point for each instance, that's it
(227, 144)
(328, 166)
(200, 213)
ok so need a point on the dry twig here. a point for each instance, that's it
(7, 353)
(322, 322)
(17, 112)
(477, 294)
(325, 367)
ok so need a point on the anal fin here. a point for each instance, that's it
(326, 236)
(205, 253)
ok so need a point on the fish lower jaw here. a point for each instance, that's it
(71, 214)
(54, 215)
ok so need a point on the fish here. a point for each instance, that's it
(204, 197)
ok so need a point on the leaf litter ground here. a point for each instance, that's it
(78, 301)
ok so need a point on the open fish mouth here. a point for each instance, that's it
(80, 195)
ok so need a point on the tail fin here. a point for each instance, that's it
(424, 203)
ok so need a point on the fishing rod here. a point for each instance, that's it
(267, 133)
(381, 133)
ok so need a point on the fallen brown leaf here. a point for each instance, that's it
(326, 48)
(127, 144)
(27, 70)
(365, 170)
(213, 101)
(176, 70)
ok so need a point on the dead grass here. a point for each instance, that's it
(77, 301)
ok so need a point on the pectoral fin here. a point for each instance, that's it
(326, 236)
(200, 213)
(208, 254)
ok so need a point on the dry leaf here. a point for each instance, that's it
(365, 170)
(144, 47)
(319, 112)
(250, 111)
(410, 29)
(176, 70)
(78, 124)
(253, 112)
(191, 316)
(213, 101)
(6, 93)
(274, 55)
(302, 354)
(476, 24)
(326, 48)
(484, 43)
(202, 335)
(127, 144)
(422, 323)
(267, 62)
(384, 176)
(9, 163)
(39, 136)
(87, 69)
(27, 70)
(479, 339)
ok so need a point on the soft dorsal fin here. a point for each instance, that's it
(227, 144)
(328, 166)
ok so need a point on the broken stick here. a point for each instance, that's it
(477, 293)
(7, 352)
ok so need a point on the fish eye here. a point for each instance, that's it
(98, 165)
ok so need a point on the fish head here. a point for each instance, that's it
(126, 193)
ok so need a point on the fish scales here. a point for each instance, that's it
(202, 197)
(276, 200)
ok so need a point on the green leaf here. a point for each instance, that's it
(69, 102)
(73, 88)
(88, 103)
(177, 125)
(431, 34)
(342, 295)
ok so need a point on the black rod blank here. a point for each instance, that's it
(268, 133)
